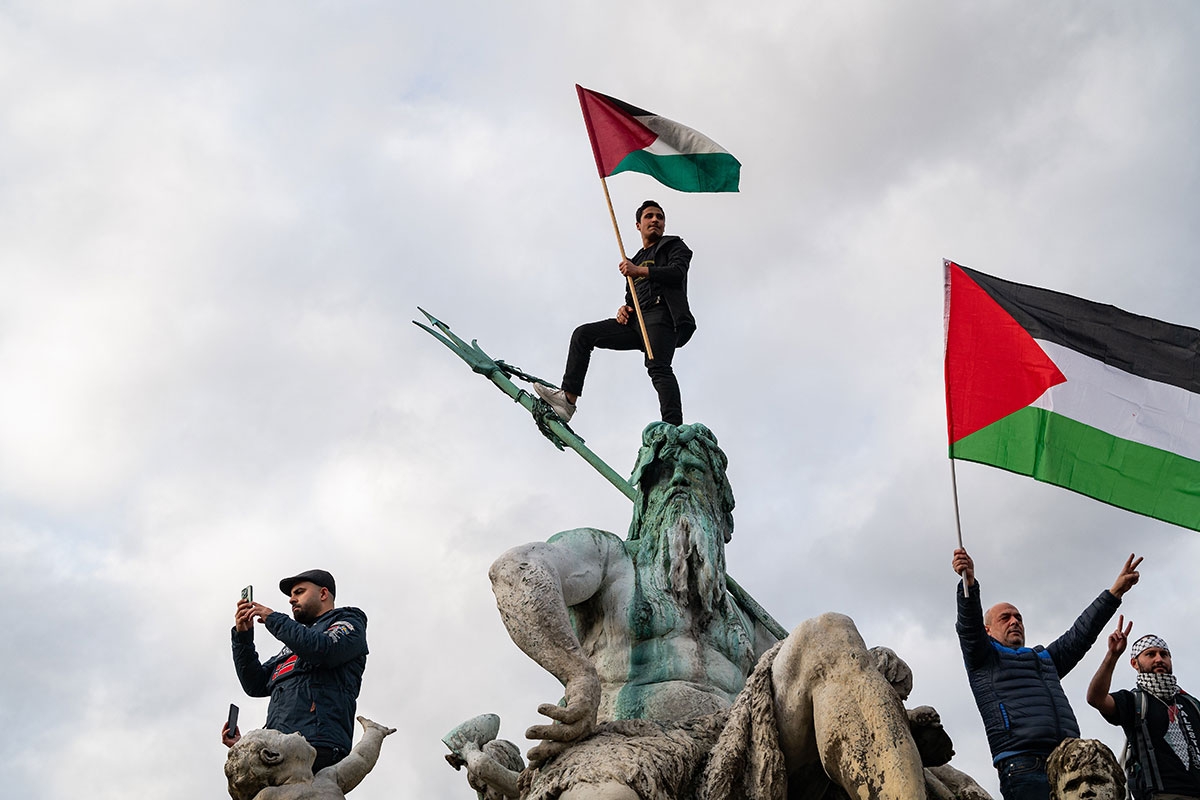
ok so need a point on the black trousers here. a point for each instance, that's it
(327, 757)
(608, 334)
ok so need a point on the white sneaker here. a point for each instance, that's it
(557, 400)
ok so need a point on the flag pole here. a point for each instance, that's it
(637, 307)
(957, 520)
(950, 417)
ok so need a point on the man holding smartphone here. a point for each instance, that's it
(314, 681)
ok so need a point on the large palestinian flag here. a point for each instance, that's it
(1074, 393)
(626, 138)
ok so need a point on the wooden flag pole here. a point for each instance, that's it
(957, 520)
(637, 307)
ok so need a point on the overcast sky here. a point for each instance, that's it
(217, 220)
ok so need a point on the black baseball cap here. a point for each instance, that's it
(318, 576)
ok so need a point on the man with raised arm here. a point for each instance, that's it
(1160, 720)
(653, 651)
(1018, 689)
(659, 272)
(314, 681)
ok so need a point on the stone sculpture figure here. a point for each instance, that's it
(268, 765)
(671, 689)
(493, 765)
(1084, 769)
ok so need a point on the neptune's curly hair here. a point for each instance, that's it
(662, 442)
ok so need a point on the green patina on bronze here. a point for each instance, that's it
(499, 373)
(680, 472)
(554, 429)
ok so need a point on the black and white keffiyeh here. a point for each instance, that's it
(1147, 641)
(1164, 687)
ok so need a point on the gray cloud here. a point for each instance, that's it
(216, 223)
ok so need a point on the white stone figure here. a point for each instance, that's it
(1084, 769)
(493, 765)
(268, 765)
(672, 690)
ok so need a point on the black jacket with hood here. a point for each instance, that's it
(668, 260)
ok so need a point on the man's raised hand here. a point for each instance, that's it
(1127, 577)
(243, 618)
(964, 566)
(1119, 638)
(247, 612)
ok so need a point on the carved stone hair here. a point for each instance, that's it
(258, 755)
(1079, 755)
(662, 442)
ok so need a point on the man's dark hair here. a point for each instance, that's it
(648, 204)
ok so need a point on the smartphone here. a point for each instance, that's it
(248, 594)
(231, 724)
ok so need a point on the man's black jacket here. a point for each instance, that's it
(668, 260)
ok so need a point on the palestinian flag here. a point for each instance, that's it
(1074, 393)
(627, 139)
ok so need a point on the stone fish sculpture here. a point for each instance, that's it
(493, 765)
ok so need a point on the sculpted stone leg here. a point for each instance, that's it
(835, 708)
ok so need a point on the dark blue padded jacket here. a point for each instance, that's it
(314, 681)
(1019, 692)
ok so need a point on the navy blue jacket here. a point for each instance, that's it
(1019, 692)
(313, 682)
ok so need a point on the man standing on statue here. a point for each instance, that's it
(659, 272)
(314, 681)
(1018, 689)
